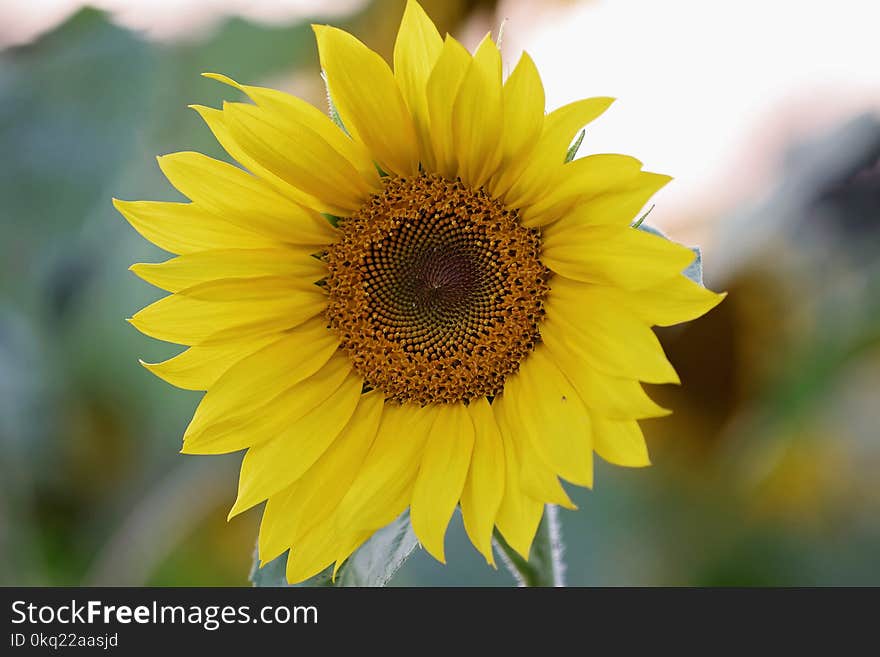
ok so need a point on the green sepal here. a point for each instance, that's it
(573, 149)
(331, 106)
(332, 219)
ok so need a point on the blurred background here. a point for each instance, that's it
(767, 114)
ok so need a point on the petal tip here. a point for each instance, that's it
(219, 77)
(434, 548)
(150, 367)
(488, 555)
(242, 503)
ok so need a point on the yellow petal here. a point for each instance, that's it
(608, 338)
(524, 185)
(294, 115)
(477, 116)
(443, 85)
(312, 553)
(191, 269)
(260, 288)
(243, 199)
(348, 545)
(318, 548)
(280, 523)
(523, 103)
(271, 466)
(246, 308)
(186, 228)
(484, 486)
(240, 430)
(519, 514)
(552, 416)
(256, 380)
(219, 124)
(536, 478)
(301, 158)
(564, 123)
(416, 51)
(620, 443)
(619, 205)
(675, 300)
(368, 100)
(311, 500)
(611, 255)
(604, 396)
(197, 368)
(584, 178)
(442, 473)
(384, 485)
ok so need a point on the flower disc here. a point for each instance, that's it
(436, 291)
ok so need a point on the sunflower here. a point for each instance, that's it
(419, 304)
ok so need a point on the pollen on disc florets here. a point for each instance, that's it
(435, 290)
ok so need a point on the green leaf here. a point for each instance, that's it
(373, 564)
(376, 561)
(545, 566)
(573, 149)
(694, 271)
(272, 574)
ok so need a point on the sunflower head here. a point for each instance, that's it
(472, 325)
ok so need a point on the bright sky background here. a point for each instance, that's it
(708, 91)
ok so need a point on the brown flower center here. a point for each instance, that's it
(436, 291)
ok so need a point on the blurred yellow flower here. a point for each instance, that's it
(469, 327)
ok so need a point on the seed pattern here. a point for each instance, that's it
(436, 291)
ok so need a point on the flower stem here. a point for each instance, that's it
(545, 566)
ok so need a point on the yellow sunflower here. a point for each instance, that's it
(421, 308)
